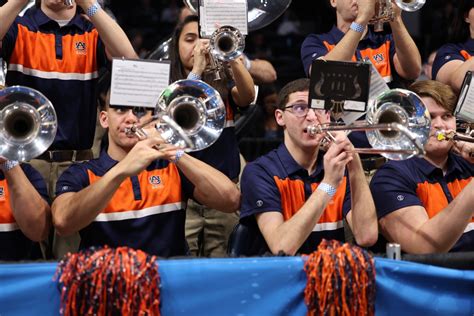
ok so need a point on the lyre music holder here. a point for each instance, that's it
(339, 87)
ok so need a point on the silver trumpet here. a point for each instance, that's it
(189, 114)
(28, 123)
(68, 3)
(452, 135)
(397, 126)
(384, 12)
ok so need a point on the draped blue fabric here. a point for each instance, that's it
(253, 286)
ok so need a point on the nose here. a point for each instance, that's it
(130, 117)
(437, 122)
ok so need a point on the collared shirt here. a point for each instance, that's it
(448, 52)
(63, 63)
(275, 182)
(146, 212)
(415, 181)
(378, 48)
(14, 245)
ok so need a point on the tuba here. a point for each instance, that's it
(397, 125)
(384, 12)
(189, 114)
(28, 123)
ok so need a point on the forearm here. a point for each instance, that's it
(114, 38)
(407, 53)
(290, 235)
(346, 48)
(456, 78)
(74, 211)
(30, 210)
(363, 219)
(212, 187)
(244, 84)
(8, 13)
(262, 71)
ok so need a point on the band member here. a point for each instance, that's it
(425, 204)
(393, 55)
(207, 230)
(25, 215)
(453, 60)
(297, 195)
(135, 193)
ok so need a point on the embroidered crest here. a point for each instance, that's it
(80, 48)
(154, 180)
(2, 192)
(379, 58)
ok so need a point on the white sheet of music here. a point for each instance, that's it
(216, 13)
(377, 87)
(466, 110)
(138, 82)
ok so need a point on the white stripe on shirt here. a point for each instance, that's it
(53, 74)
(9, 227)
(328, 226)
(120, 216)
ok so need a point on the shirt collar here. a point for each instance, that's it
(470, 45)
(106, 161)
(42, 19)
(428, 168)
(290, 164)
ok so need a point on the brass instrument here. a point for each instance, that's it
(68, 3)
(189, 114)
(28, 123)
(397, 126)
(452, 135)
(384, 12)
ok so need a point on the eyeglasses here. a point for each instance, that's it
(302, 109)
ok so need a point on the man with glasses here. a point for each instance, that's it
(296, 195)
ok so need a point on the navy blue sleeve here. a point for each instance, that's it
(259, 191)
(347, 205)
(8, 41)
(311, 49)
(444, 55)
(73, 179)
(393, 188)
(36, 180)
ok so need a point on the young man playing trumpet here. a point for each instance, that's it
(296, 195)
(426, 204)
(135, 193)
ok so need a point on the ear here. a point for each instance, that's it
(333, 3)
(279, 117)
(104, 119)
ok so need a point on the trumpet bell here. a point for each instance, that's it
(227, 43)
(28, 123)
(401, 107)
(410, 5)
(193, 114)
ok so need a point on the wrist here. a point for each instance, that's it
(8, 165)
(358, 27)
(329, 189)
(194, 76)
(177, 157)
(91, 9)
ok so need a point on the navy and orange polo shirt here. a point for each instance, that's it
(63, 63)
(224, 153)
(275, 182)
(378, 48)
(14, 245)
(146, 212)
(415, 181)
(448, 52)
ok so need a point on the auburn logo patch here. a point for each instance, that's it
(2, 193)
(154, 180)
(80, 48)
(379, 57)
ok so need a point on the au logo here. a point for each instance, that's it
(80, 48)
(155, 180)
(379, 58)
(2, 193)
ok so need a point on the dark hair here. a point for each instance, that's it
(441, 93)
(177, 69)
(291, 87)
(460, 26)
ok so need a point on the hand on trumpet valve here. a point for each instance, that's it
(339, 154)
(465, 150)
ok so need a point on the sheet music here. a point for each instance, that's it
(377, 87)
(216, 13)
(138, 82)
(466, 109)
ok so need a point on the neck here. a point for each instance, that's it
(305, 157)
(116, 152)
(59, 13)
(440, 162)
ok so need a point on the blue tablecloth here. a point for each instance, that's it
(260, 286)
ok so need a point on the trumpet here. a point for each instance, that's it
(384, 12)
(397, 126)
(28, 123)
(68, 3)
(189, 114)
(226, 43)
(452, 135)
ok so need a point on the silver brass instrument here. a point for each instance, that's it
(189, 114)
(68, 3)
(384, 12)
(28, 123)
(260, 12)
(397, 125)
